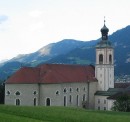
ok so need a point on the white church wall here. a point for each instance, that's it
(75, 94)
(77, 89)
(101, 102)
(92, 90)
(26, 95)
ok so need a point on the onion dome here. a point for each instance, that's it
(104, 29)
(104, 40)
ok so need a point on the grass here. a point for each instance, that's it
(58, 114)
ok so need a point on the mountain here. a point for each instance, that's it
(49, 51)
(86, 54)
(73, 52)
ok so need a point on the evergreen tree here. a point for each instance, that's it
(122, 103)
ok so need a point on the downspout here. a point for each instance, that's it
(38, 94)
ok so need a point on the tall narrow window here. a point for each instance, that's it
(98, 101)
(110, 59)
(35, 101)
(70, 99)
(17, 102)
(77, 100)
(100, 59)
(104, 101)
(84, 97)
(65, 104)
(48, 102)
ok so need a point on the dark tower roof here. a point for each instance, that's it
(104, 40)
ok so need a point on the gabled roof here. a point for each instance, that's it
(115, 96)
(25, 75)
(54, 73)
(109, 92)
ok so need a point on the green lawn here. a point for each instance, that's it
(58, 114)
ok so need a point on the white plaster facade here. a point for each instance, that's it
(64, 94)
(104, 70)
(101, 103)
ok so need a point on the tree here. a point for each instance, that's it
(2, 91)
(122, 103)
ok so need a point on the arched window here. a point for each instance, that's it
(17, 93)
(35, 101)
(110, 59)
(17, 102)
(48, 102)
(100, 59)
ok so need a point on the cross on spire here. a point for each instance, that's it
(104, 20)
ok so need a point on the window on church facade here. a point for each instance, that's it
(48, 102)
(100, 59)
(65, 90)
(77, 89)
(8, 93)
(98, 101)
(34, 92)
(84, 89)
(104, 101)
(84, 97)
(70, 99)
(70, 90)
(18, 102)
(35, 101)
(57, 92)
(110, 59)
(104, 108)
(17, 93)
(65, 101)
(98, 107)
(77, 100)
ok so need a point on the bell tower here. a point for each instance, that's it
(104, 68)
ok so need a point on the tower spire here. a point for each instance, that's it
(104, 31)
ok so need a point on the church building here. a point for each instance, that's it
(67, 85)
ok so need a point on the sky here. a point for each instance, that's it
(28, 25)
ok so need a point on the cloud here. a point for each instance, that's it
(3, 18)
(35, 13)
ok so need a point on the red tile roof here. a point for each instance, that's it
(54, 73)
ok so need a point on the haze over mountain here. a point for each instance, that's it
(71, 51)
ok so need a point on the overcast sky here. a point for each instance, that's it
(28, 25)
